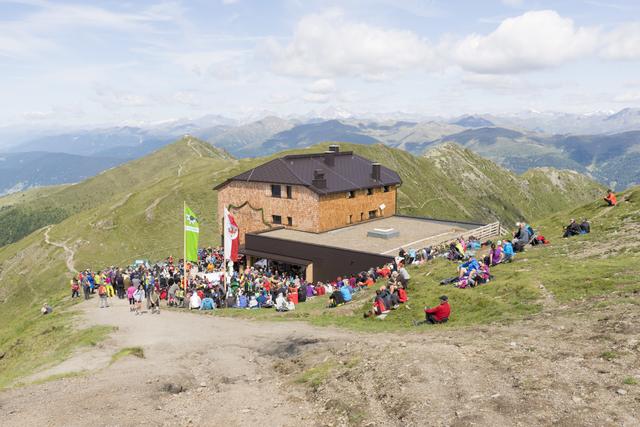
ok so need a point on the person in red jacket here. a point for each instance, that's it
(611, 198)
(402, 295)
(438, 314)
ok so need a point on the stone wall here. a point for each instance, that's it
(335, 209)
(253, 207)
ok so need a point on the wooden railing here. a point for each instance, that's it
(486, 231)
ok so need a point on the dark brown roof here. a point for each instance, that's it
(349, 172)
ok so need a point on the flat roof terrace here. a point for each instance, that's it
(408, 232)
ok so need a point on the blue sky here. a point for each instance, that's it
(113, 62)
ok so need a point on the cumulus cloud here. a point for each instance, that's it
(329, 45)
(533, 40)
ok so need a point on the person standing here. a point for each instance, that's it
(102, 294)
(139, 296)
(75, 288)
(86, 288)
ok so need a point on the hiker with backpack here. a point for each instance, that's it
(102, 294)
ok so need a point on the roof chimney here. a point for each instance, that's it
(375, 171)
(319, 181)
(335, 148)
(330, 158)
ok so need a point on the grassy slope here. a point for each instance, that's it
(114, 230)
(133, 212)
(600, 268)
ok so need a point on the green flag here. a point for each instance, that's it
(191, 232)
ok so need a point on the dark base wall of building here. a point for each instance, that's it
(328, 262)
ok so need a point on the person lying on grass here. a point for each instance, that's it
(467, 268)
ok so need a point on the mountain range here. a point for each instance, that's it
(134, 211)
(610, 154)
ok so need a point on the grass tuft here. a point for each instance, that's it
(128, 351)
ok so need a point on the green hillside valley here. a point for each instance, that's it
(561, 315)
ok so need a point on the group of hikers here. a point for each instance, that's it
(202, 285)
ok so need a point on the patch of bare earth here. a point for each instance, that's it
(561, 367)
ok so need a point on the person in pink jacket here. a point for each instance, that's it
(130, 291)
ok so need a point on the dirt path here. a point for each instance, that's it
(69, 251)
(221, 363)
(570, 367)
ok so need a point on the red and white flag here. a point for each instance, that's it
(231, 237)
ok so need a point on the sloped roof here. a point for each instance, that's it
(349, 172)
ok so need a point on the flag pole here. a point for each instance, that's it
(184, 249)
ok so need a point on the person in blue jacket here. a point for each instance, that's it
(466, 268)
(507, 251)
(345, 290)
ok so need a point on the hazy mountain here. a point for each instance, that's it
(20, 171)
(566, 123)
(313, 133)
(472, 122)
(245, 140)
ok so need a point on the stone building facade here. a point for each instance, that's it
(313, 193)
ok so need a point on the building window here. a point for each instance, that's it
(373, 214)
(361, 216)
(289, 192)
(289, 221)
(369, 191)
(276, 219)
(275, 191)
(350, 219)
(351, 194)
(386, 188)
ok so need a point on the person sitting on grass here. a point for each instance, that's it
(573, 229)
(495, 255)
(610, 198)
(438, 314)
(46, 309)
(336, 298)
(345, 290)
(378, 308)
(282, 304)
(195, 301)
(507, 251)
(585, 226)
(207, 303)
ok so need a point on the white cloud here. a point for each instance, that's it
(622, 42)
(513, 3)
(322, 86)
(329, 45)
(317, 98)
(534, 40)
(629, 97)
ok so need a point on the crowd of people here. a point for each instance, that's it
(202, 285)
